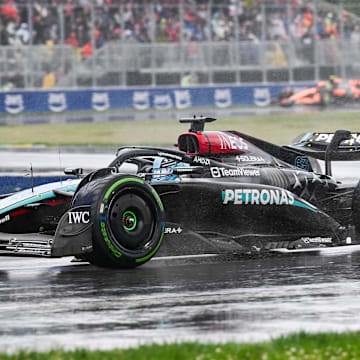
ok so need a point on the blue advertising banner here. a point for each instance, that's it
(139, 99)
(14, 183)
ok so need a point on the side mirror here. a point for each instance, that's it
(74, 171)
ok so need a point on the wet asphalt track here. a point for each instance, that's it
(46, 303)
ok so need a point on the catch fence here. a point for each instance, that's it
(189, 44)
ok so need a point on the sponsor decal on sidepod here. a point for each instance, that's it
(224, 172)
(302, 162)
(258, 197)
(263, 197)
(173, 230)
(201, 160)
(5, 219)
(316, 240)
(249, 158)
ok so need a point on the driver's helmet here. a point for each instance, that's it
(332, 79)
(286, 93)
(162, 169)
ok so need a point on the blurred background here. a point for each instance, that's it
(77, 44)
(110, 57)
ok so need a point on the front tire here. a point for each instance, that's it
(127, 220)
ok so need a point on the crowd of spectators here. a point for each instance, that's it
(85, 23)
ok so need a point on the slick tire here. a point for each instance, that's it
(127, 220)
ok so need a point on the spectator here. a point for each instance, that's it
(8, 86)
(222, 26)
(189, 79)
(162, 35)
(4, 36)
(48, 80)
(11, 31)
(172, 29)
(9, 11)
(201, 21)
(99, 39)
(23, 35)
(86, 50)
(72, 40)
(276, 28)
(355, 34)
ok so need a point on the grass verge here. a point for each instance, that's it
(300, 346)
(277, 128)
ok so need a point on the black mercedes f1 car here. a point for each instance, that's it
(218, 192)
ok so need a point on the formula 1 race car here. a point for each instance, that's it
(336, 91)
(219, 192)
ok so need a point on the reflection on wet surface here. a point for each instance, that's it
(50, 302)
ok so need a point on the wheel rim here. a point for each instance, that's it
(129, 220)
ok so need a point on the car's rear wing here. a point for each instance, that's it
(320, 141)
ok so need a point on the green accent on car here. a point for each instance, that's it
(135, 219)
(119, 182)
(157, 198)
(153, 252)
(108, 242)
(305, 206)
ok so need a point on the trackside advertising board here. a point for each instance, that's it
(57, 101)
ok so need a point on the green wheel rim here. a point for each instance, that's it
(129, 220)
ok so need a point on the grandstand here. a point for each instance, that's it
(74, 44)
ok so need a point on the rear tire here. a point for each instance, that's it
(127, 220)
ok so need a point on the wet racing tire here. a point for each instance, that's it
(127, 220)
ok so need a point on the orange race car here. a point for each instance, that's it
(334, 91)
